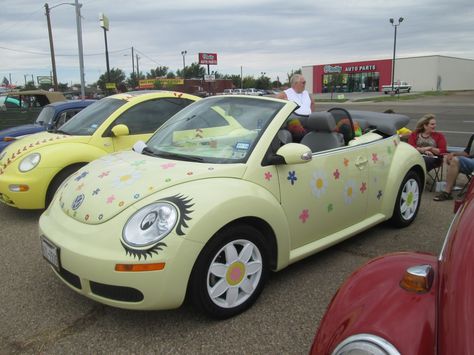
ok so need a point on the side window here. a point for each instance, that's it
(147, 116)
(65, 116)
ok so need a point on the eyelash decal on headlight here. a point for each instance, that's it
(145, 253)
(184, 205)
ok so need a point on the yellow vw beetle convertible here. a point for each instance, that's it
(32, 168)
(221, 195)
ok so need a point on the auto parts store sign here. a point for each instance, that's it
(208, 58)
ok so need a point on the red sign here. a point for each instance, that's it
(208, 58)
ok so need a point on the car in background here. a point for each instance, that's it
(253, 92)
(23, 107)
(408, 303)
(227, 92)
(32, 168)
(238, 91)
(51, 117)
(220, 196)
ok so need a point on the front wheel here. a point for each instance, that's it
(408, 201)
(230, 272)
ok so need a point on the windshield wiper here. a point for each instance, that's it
(148, 151)
(179, 157)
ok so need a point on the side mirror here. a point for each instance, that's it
(120, 130)
(295, 153)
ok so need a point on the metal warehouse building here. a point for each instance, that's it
(427, 73)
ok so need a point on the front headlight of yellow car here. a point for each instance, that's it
(29, 162)
(150, 224)
(365, 344)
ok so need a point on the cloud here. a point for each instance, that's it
(268, 36)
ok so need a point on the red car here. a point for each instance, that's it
(408, 303)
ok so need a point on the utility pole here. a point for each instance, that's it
(51, 47)
(138, 69)
(79, 44)
(133, 62)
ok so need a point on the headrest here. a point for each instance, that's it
(321, 121)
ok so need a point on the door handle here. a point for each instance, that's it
(361, 162)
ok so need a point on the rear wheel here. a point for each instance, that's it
(408, 201)
(230, 272)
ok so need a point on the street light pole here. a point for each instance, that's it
(79, 45)
(400, 20)
(104, 23)
(51, 47)
(183, 53)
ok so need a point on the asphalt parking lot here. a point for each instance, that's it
(40, 315)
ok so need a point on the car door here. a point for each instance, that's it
(144, 119)
(326, 195)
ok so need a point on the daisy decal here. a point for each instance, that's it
(126, 179)
(349, 191)
(319, 183)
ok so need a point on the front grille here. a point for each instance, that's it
(118, 293)
(70, 278)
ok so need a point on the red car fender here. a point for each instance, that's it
(371, 301)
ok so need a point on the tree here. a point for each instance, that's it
(293, 72)
(5, 81)
(263, 82)
(157, 73)
(171, 75)
(249, 82)
(235, 79)
(192, 71)
(117, 76)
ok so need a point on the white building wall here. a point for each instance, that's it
(307, 72)
(432, 73)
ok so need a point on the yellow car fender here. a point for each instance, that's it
(403, 160)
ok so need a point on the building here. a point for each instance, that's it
(427, 73)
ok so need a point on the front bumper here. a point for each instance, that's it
(37, 181)
(89, 253)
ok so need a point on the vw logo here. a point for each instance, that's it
(78, 201)
(148, 220)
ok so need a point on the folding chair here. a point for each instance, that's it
(470, 151)
(435, 175)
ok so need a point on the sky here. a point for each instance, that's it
(250, 36)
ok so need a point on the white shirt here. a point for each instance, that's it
(302, 99)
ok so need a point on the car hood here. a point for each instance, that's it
(29, 144)
(107, 186)
(21, 130)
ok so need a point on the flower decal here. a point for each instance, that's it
(319, 183)
(304, 215)
(292, 177)
(349, 191)
(126, 179)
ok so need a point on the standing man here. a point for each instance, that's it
(299, 95)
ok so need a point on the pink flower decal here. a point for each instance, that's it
(268, 176)
(104, 174)
(336, 174)
(168, 165)
(110, 199)
(375, 157)
(304, 216)
(363, 187)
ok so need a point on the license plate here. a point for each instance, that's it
(50, 252)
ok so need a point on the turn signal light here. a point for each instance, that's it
(9, 139)
(19, 188)
(418, 278)
(139, 267)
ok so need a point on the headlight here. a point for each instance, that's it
(365, 344)
(29, 162)
(150, 224)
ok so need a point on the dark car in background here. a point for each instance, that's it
(51, 117)
(408, 303)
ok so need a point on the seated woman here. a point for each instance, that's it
(428, 142)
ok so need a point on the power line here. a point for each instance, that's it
(60, 55)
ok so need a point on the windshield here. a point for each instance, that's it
(86, 122)
(46, 116)
(217, 130)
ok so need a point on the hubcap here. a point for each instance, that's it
(234, 273)
(410, 199)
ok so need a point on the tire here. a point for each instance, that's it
(408, 91)
(58, 180)
(408, 201)
(230, 272)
